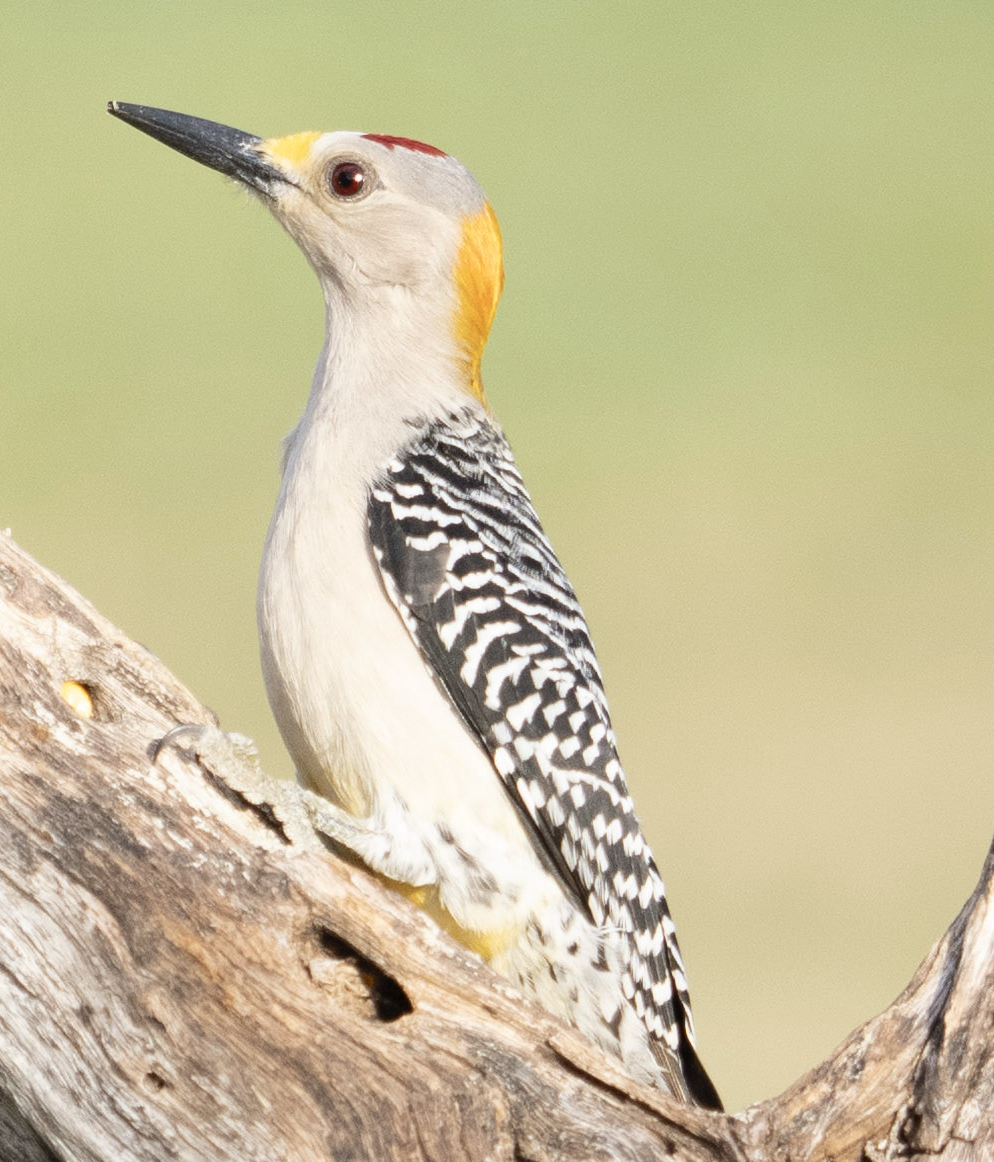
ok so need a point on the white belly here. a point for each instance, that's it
(365, 722)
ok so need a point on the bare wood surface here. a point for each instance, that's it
(180, 980)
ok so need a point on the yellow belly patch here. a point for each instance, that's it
(488, 945)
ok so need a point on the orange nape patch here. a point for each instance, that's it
(479, 277)
(293, 149)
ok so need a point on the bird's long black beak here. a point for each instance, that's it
(230, 151)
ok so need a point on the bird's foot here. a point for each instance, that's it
(305, 819)
(232, 761)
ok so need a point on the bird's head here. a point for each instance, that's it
(379, 218)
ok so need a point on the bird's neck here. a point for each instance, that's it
(384, 371)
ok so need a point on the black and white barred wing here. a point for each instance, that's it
(465, 560)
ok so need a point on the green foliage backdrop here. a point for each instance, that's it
(745, 358)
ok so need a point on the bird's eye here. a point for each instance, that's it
(347, 179)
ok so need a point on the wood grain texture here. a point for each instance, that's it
(180, 981)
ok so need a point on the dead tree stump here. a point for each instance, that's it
(179, 980)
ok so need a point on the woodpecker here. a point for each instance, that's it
(424, 653)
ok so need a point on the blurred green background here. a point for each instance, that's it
(745, 358)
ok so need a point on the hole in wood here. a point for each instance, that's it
(389, 1000)
(79, 698)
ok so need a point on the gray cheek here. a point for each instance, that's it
(386, 265)
(404, 245)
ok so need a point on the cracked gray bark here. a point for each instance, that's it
(181, 977)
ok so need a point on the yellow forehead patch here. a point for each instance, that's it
(293, 149)
(479, 280)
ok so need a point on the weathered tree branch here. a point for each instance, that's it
(180, 981)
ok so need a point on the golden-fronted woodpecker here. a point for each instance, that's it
(424, 653)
